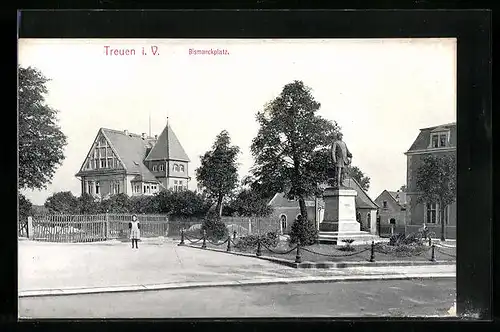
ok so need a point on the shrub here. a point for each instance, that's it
(304, 231)
(348, 245)
(216, 230)
(271, 240)
(402, 250)
(402, 239)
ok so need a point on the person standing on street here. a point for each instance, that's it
(135, 231)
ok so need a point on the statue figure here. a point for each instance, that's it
(341, 159)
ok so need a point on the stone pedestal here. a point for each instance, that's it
(340, 211)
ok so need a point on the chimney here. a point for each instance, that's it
(143, 135)
(126, 132)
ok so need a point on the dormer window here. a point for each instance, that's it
(439, 139)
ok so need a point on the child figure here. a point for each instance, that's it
(135, 231)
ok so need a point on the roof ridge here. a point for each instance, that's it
(121, 132)
(441, 125)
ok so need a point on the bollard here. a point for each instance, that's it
(234, 235)
(204, 245)
(430, 241)
(258, 253)
(182, 238)
(433, 257)
(298, 259)
(228, 243)
(372, 252)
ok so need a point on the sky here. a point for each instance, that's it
(379, 91)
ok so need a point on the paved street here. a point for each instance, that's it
(89, 265)
(338, 299)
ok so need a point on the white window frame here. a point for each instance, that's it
(97, 188)
(155, 167)
(161, 168)
(438, 134)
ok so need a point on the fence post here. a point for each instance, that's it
(392, 229)
(234, 235)
(29, 230)
(433, 257)
(204, 245)
(228, 243)
(182, 237)
(249, 226)
(259, 253)
(298, 258)
(107, 227)
(372, 252)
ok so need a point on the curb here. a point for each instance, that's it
(328, 265)
(274, 281)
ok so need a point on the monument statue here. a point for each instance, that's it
(341, 159)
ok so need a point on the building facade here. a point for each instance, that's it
(392, 207)
(286, 211)
(440, 141)
(123, 162)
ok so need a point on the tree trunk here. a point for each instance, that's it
(303, 208)
(218, 207)
(441, 212)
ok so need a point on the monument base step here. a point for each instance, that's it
(359, 237)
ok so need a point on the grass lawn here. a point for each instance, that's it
(332, 253)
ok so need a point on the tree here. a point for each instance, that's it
(87, 204)
(292, 147)
(189, 204)
(144, 204)
(119, 203)
(362, 179)
(63, 202)
(25, 208)
(403, 188)
(185, 203)
(436, 182)
(218, 172)
(248, 203)
(41, 141)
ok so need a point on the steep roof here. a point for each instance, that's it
(172, 150)
(362, 200)
(131, 149)
(423, 139)
(399, 197)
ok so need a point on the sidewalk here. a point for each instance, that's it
(65, 269)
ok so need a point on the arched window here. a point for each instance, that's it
(181, 168)
(283, 223)
(176, 168)
(368, 217)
